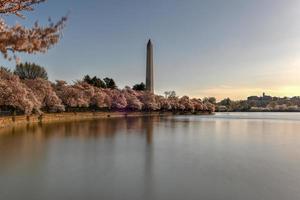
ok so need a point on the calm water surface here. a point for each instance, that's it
(227, 156)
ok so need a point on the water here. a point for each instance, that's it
(227, 156)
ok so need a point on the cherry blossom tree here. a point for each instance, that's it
(133, 103)
(174, 102)
(198, 105)
(186, 104)
(149, 101)
(16, 94)
(78, 95)
(18, 38)
(209, 107)
(44, 92)
(100, 99)
(165, 104)
(32, 95)
(118, 99)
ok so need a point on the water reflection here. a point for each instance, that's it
(89, 128)
(182, 157)
(32, 139)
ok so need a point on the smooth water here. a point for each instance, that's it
(227, 156)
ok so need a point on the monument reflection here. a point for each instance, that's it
(16, 141)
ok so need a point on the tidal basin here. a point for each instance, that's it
(224, 156)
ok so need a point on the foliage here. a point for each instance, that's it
(212, 100)
(170, 94)
(225, 102)
(77, 95)
(5, 69)
(97, 82)
(45, 94)
(110, 83)
(16, 94)
(139, 87)
(36, 95)
(133, 103)
(18, 38)
(260, 104)
(30, 71)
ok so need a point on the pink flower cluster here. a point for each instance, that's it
(35, 95)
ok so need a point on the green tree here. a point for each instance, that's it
(87, 79)
(5, 69)
(139, 87)
(95, 81)
(30, 71)
(170, 94)
(212, 100)
(272, 105)
(225, 102)
(110, 83)
(244, 106)
(235, 106)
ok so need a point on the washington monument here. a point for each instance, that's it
(149, 68)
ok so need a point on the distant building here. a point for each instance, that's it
(253, 98)
(264, 97)
(262, 101)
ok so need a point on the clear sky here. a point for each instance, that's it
(232, 48)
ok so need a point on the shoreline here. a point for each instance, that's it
(11, 121)
(275, 111)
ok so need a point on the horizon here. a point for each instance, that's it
(247, 48)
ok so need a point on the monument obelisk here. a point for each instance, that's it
(149, 68)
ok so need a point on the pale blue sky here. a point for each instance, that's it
(231, 48)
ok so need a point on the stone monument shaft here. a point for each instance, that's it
(149, 68)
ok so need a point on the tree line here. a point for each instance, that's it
(27, 90)
(257, 104)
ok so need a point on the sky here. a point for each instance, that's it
(232, 48)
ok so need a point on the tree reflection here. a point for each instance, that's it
(16, 141)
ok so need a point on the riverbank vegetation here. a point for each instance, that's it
(263, 103)
(36, 95)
